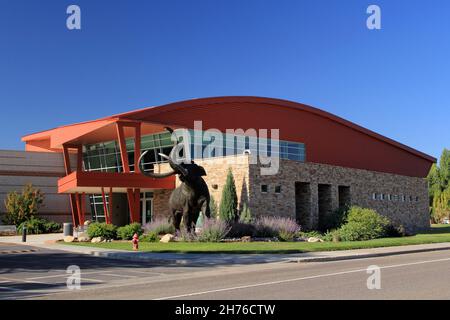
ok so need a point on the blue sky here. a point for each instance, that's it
(132, 54)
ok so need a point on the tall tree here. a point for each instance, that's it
(434, 182)
(444, 169)
(228, 203)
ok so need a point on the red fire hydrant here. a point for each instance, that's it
(135, 242)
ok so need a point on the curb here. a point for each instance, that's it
(141, 257)
(363, 256)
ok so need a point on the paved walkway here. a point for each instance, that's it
(47, 241)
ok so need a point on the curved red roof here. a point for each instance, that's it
(329, 139)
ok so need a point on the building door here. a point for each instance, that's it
(146, 207)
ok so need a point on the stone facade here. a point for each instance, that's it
(309, 191)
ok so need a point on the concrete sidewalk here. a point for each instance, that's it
(48, 242)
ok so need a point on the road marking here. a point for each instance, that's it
(146, 272)
(64, 275)
(21, 280)
(297, 279)
(9, 289)
(118, 275)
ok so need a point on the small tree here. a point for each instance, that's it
(246, 215)
(24, 206)
(213, 208)
(228, 203)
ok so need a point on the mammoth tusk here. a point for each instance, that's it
(152, 174)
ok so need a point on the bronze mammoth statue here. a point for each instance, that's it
(192, 196)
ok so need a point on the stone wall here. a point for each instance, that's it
(405, 199)
(411, 213)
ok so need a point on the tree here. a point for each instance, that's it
(246, 215)
(439, 188)
(228, 203)
(22, 207)
(434, 182)
(444, 169)
(441, 206)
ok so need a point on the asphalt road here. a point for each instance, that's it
(32, 273)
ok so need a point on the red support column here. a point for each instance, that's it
(137, 147)
(137, 202)
(133, 199)
(123, 147)
(72, 197)
(79, 208)
(110, 204)
(83, 208)
(131, 204)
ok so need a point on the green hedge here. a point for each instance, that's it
(39, 226)
(363, 224)
(127, 232)
(103, 230)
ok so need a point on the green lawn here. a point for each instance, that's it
(437, 234)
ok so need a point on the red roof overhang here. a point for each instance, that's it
(93, 182)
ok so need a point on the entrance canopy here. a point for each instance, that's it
(94, 182)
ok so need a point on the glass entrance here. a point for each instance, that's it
(146, 207)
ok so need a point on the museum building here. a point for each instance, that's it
(89, 170)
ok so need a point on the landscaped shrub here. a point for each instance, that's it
(39, 226)
(149, 237)
(213, 230)
(395, 231)
(334, 220)
(265, 228)
(103, 230)
(363, 224)
(241, 229)
(285, 229)
(185, 236)
(333, 236)
(127, 232)
(22, 207)
(159, 226)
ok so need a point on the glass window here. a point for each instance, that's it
(264, 188)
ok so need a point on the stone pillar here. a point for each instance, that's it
(314, 217)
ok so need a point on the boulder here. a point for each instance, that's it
(167, 238)
(83, 237)
(69, 239)
(96, 240)
(246, 239)
(314, 239)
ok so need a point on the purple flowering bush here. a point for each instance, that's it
(159, 226)
(213, 230)
(285, 229)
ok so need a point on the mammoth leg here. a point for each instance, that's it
(190, 219)
(176, 216)
(206, 210)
